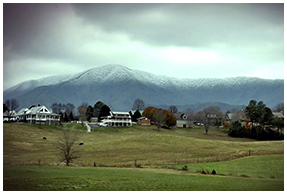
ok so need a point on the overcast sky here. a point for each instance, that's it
(179, 40)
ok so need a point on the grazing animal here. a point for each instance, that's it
(81, 144)
(45, 138)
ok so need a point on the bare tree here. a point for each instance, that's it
(138, 104)
(66, 146)
(69, 108)
(172, 109)
(237, 115)
(12, 104)
(159, 118)
(82, 114)
(190, 119)
(200, 116)
(56, 108)
(84, 105)
(279, 108)
(7, 103)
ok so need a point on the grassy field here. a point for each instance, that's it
(24, 144)
(267, 166)
(131, 179)
(31, 163)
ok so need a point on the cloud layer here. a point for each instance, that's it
(180, 40)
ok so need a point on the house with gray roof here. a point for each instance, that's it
(9, 116)
(38, 115)
(182, 120)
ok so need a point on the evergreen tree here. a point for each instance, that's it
(97, 108)
(66, 118)
(258, 113)
(105, 111)
(89, 113)
(136, 115)
(71, 116)
(5, 108)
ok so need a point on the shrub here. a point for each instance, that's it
(185, 168)
(257, 132)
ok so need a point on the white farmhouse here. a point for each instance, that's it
(118, 119)
(38, 115)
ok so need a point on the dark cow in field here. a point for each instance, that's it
(45, 138)
(81, 144)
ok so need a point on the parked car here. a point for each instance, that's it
(198, 124)
(103, 125)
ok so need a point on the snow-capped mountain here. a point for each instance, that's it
(119, 86)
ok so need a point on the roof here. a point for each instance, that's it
(133, 111)
(115, 112)
(34, 110)
(141, 118)
(22, 111)
(180, 116)
(120, 113)
(6, 114)
(278, 114)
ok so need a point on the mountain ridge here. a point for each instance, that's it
(118, 86)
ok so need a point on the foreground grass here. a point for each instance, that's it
(24, 145)
(57, 178)
(268, 166)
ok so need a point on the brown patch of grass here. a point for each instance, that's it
(23, 145)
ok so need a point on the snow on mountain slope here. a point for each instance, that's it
(116, 73)
(118, 86)
(31, 84)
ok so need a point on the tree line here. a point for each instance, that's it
(261, 124)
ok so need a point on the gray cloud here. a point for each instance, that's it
(187, 24)
(175, 38)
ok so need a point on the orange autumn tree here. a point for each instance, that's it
(170, 119)
(160, 117)
(149, 111)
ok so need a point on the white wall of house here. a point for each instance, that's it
(118, 119)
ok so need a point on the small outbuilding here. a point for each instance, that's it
(143, 121)
(94, 119)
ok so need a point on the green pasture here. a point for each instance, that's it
(57, 178)
(267, 166)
